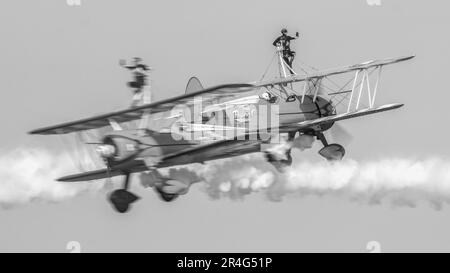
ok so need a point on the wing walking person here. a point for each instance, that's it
(285, 42)
(140, 73)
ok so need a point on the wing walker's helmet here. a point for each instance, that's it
(283, 31)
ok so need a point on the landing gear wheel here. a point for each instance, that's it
(332, 152)
(168, 197)
(121, 199)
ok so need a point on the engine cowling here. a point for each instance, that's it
(318, 107)
(122, 146)
(116, 148)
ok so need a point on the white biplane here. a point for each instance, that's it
(230, 120)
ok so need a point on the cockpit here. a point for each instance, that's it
(269, 97)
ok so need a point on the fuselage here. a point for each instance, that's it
(137, 150)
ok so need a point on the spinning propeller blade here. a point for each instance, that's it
(340, 134)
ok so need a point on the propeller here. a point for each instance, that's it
(340, 135)
(106, 152)
(337, 132)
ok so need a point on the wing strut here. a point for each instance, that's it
(364, 85)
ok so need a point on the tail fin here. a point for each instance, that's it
(193, 85)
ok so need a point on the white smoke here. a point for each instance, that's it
(28, 175)
(404, 182)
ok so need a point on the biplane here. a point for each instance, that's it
(295, 108)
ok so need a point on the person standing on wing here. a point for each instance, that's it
(285, 42)
(140, 73)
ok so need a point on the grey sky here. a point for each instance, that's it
(60, 63)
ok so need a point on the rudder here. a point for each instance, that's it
(193, 85)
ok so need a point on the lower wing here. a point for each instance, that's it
(201, 153)
(343, 116)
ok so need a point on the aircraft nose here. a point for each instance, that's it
(106, 150)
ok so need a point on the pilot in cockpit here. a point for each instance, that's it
(269, 97)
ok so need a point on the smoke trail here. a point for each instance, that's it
(399, 182)
(28, 175)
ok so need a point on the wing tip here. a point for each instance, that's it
(394, 105)
(35, 132)
(67, 178)
(90, 175)
(409, 57)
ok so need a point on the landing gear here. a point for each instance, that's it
(165, 187)
(332, 152)
(122, 198)
(168, 197)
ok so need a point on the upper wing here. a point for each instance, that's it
(334, 71)
(213, 93)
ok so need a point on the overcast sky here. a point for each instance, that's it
(60, 63)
